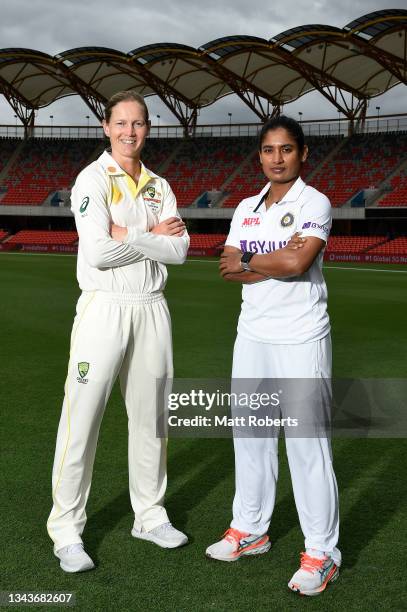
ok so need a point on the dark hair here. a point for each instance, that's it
(287, 123)
(124, 96)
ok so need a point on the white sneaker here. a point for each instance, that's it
(164, 535)
(314, 575)
(236, 544)
(73, 559)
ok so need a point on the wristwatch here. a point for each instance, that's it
(245, 260)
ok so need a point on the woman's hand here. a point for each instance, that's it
(295, 242)
(118, 233)
(170, 227)
(230, 263)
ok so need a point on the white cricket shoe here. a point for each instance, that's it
(314, 575)
(164, 535)
(74, 559)
(236, 544)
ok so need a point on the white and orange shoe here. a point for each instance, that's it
(236, 544)
(314, 575)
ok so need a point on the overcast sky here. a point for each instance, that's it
(53, 26)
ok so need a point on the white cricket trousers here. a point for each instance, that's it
(113, 334)
(309, 459)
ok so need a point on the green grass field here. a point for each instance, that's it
(368, 312)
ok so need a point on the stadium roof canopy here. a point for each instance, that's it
(348, 66)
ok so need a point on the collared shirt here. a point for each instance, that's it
(104, 194)
(283, 310)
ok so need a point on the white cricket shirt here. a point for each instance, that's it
(104, 194)
(284, 310)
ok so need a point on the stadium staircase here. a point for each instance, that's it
(204, 164)
(394, 189)
(239, 171)
(160, 164)
(8, 160)
(325, 160)
(397, 246)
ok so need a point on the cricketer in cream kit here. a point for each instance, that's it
(122, 328)
(137, 265)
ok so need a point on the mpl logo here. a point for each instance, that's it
(249, 221)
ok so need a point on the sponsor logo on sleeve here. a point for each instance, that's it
(314, 225)
(84, 205)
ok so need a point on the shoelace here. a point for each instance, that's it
(234, 536)
(162, 528)
(311, 564)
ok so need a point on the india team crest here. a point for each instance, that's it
(83, 368)
(287, 220)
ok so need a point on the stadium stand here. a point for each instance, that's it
(43, 166)
(204, 164)
(398, 194)
(397, 246)
(7, 148)
(353, 244)
(363, 162)
(228, 164)
(207, 241)
(44, 237)
(250, 180)
(3, 235)
(157, 151)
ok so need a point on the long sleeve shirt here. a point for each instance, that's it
(104, 194)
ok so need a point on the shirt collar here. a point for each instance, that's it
(292, 194)
(112, 168)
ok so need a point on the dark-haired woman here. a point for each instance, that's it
(283, 333)
(129, 228)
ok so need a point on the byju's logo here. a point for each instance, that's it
(313, 225)
(83, 369)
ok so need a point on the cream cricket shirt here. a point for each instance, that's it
(285, 310)
(103, 193)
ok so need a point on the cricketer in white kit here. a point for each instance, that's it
(122, 328)
(283, 332)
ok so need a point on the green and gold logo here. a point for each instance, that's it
(83, 368)
(151, 191)
(84, 204)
